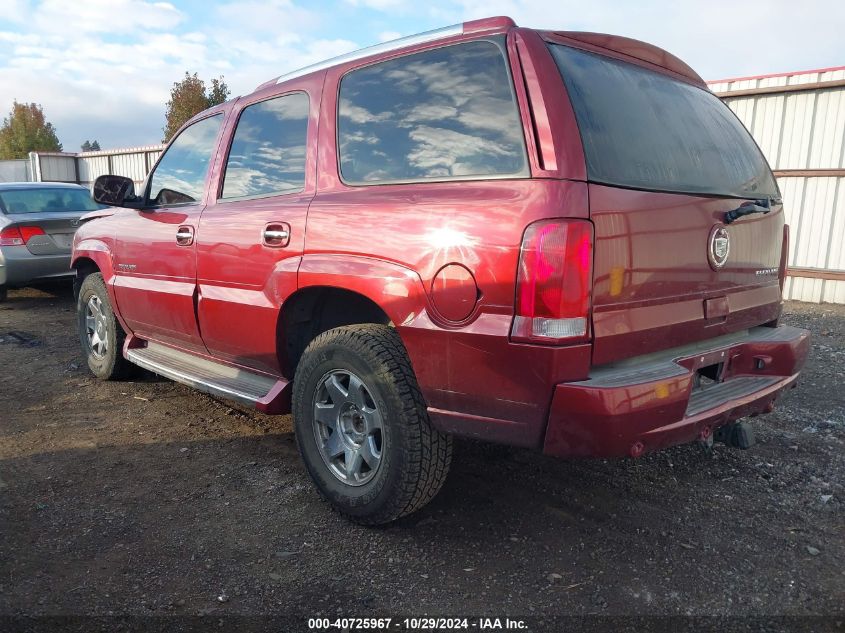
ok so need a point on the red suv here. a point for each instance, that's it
(553, 240)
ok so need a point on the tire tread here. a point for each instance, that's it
(428, 454)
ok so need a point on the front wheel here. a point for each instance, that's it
(362, 426)
(3, 293)
(99, 332)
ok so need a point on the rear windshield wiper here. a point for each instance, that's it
(747, 208)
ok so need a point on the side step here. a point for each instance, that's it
(266, 393)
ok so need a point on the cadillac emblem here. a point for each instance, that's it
(719, 247)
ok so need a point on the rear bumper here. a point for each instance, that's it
(652, 402)
(19, 267)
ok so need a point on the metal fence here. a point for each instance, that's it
(15, 171)
(798, 119)
(84, 167)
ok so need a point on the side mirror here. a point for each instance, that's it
(115, 191)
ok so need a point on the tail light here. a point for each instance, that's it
(18, 235)
(554, 282)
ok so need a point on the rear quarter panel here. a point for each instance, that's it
(389, 241)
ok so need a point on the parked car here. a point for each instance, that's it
(37, 222)
(553, 240)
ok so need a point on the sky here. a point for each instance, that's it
(103, 69)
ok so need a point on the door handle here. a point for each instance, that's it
(276, 234)
(185, 235)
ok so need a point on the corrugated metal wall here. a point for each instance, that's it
(799, 122)
(15, 171)
(84, 167)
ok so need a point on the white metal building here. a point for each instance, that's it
(84, 167)
(798, 119)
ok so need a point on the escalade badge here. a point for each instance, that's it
(719, 247)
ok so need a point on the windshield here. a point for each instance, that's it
(644, 130)
(47, 200)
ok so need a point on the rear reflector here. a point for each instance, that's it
(554, 284)
(18, 236)
(784, 256)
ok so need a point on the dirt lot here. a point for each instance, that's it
(146, 498)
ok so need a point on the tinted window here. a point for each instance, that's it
(179, 177)
(52, 200)
(444, 113)
(268, 150)
(643, 129)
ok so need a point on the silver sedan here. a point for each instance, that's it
(37, 223)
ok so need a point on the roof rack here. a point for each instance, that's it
(402, 42)
(384, 47)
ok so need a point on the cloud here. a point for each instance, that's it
(14, 10)
(378, 5)
(98, 77)
(103, 68)
(259, 18)
(718, 38)
(94, 16)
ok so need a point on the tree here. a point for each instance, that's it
(189, 97)
(88, 146)
(26, 130)
(95, 146)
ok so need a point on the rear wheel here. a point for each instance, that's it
(99, 332)
(3, 293)
(362, 426)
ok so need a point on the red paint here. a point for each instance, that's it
(652, 274)
(594, 421)
(632, 50)
(441, 260)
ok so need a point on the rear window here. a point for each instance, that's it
(52, 200)
(644, 130)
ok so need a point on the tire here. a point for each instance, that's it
(3, 293)
(100, 334)
(384, 415)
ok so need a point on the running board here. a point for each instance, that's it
(266, 393)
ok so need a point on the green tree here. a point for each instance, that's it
(95, 146)
(189, 97)
(88, 146)
(26, 130)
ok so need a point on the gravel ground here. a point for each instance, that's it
(146, 498)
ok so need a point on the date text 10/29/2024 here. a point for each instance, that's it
(416, 624)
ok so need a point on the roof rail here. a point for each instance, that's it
(384, 47)
(402, 42)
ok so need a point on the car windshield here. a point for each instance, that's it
(47, 200)
(644, 130)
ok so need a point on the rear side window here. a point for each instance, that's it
(644, 130)
(179, 177)
(52, 200)
(268, 150)
(440, 114)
